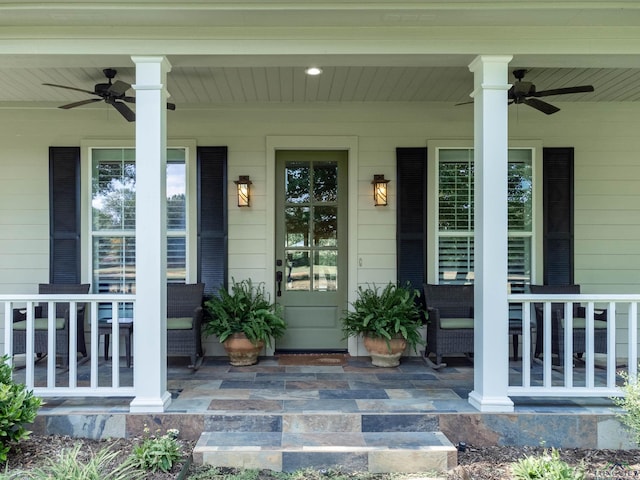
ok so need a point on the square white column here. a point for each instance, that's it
(150, 327)
(491, 310)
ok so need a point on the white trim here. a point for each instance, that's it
(310, 142)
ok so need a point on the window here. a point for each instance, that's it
(113, 191)
(455, 216)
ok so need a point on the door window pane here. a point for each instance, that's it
(297, 182)
(325, 270)
(325, 226)
(325, 181)
(298, 271)
(297, 226)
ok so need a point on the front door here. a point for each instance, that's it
(311, 247)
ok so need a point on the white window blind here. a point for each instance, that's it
(113, 195)
(455, 216)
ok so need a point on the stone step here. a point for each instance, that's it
(375, 452)
(346, 442)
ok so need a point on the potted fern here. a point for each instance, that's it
(244, 320)
(389, 320)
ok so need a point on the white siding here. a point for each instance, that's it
(607, 172)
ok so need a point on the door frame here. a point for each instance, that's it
(311, 142)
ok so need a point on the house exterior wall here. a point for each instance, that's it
(607, 172)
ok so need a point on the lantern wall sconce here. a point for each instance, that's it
(243, 186)
(379, 190)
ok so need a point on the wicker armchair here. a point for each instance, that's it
(62, 323)
(557, 323)
(184, 321)
(450, 321)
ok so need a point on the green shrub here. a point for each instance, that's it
(630, 403)
(18, 406)
(545, 467)
(157, 452)
(68, 466)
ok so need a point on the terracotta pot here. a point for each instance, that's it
(241, 351)
(379, 351)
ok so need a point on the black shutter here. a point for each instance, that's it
(411, 164)
(64, 215)
(212, 217)
(558, 216)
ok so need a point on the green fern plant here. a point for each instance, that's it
(391, 312)
(246, 309)
(547, 466)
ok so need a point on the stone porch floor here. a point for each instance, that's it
(434, 400)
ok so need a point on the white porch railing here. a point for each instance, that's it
(595, 375)
(103, 377)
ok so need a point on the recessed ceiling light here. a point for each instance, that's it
(313, 71)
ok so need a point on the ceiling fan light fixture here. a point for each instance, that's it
(313, 71)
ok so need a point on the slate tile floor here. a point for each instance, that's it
(355, 387)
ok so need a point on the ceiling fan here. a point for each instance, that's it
(112, 93)
(526, 93)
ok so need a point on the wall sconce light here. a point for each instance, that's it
(379, 190)
(244, 190)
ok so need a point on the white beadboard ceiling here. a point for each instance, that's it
(202, 85)
(368, 49)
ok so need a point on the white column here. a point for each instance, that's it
(150, 332)
(491, 311)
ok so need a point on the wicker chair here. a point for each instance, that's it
(62, 323)
(450, 321)
(184, 321)
(557, 323)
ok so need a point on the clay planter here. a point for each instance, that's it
(241, 351)
(379, 351)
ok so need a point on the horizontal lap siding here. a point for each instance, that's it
(604, 138)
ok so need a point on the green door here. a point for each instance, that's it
(311, 247)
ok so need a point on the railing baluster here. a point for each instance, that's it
(95, 340)
(546, 376)
(590, 346)
(568, 344)
(8, 331)
(527, 319)
(29, 370)
(611, 345)
(52, 353)
(72, 356)
(115, 344)
(633, 339)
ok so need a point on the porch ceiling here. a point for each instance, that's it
(242, 51)
(198, 85)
